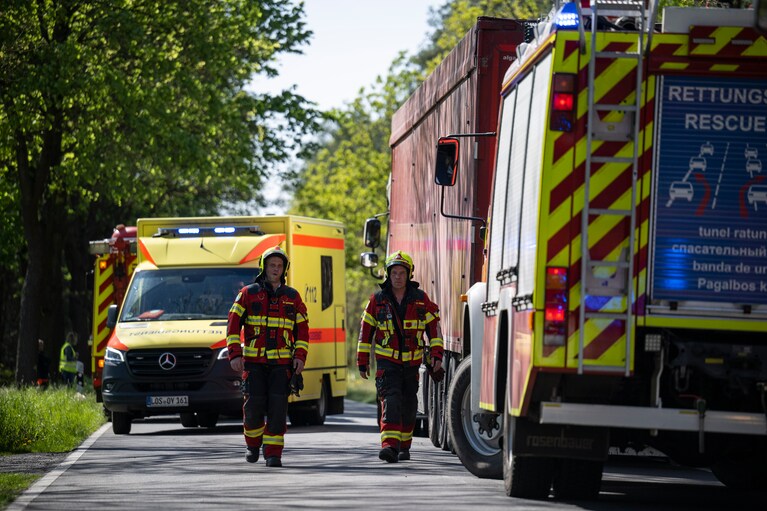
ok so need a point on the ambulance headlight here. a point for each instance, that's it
(114, 357)
(223, 354)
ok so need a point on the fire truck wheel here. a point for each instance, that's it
(577, 479)
(480, 455)
(524, 476)
(188, 419)
(121, 422)
(207, 419)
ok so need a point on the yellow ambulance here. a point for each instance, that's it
(167, 352)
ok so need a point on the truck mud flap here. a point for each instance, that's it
(560, 441)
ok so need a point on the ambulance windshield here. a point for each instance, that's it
(184, 294)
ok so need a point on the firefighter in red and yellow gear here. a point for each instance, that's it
(273, 347)
(393, 327)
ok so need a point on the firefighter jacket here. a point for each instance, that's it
(275, 324)
(383, 328)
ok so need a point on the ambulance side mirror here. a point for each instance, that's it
(112, 316)
(446, 166)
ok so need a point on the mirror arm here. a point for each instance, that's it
(459, 217)
(377, 276)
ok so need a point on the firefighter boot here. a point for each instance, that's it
(273, 461)
(251, 456)
(388, 454)
(404, 455)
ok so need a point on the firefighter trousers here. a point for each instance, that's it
(266, 395)
(397, 388)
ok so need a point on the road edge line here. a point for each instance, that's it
(31, 493)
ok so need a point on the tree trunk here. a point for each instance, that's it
(29, 316)
(78, 263)
(34, 181)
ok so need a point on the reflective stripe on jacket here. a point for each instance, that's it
(67, 359)
(274, 325)
(378, 328)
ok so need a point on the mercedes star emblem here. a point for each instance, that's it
(167, 361)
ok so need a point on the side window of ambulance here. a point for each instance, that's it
(326, 280)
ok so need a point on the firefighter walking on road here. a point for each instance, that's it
(393, 326)
(274, 348)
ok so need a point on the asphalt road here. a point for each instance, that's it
(162, 465)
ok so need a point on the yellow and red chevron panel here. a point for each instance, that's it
(706, 50)
(709, 50)
(104, 296)
(610, 188)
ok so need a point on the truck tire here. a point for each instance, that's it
(480, 455)
(436, 413)
(121, 423)
(577, 479)
(207, 419)
(319, 410)
(524, 477)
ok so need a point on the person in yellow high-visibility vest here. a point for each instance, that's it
(68, 359)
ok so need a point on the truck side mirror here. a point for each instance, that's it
(760, 10)
(369, 259)
(372, 233)
(446, 168)
(112, 316)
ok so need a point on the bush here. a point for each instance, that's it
(54, 420)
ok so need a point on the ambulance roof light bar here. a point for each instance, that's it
(200, 232)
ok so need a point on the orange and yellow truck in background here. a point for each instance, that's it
(167, 352)
(112, 269)
(624, 302)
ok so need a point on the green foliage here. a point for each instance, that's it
(53, 420)
(12, 485)
(114, 110)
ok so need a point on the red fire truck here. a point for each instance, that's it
(113, 266)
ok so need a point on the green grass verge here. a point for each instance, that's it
(12, 485)
(31, 420)
(54, 420)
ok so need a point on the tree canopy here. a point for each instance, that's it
(114, 110)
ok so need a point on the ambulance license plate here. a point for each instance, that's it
(166, 401)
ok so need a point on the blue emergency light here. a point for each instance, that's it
(567, 18)
(195, 232)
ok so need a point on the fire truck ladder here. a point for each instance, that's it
(627, 130)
